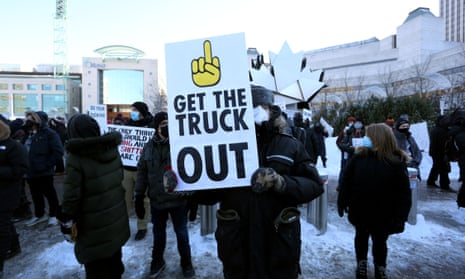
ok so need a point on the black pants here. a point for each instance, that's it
(43, 186)
(8, 236)
(108, 268)
(379, 248)
(439, 168)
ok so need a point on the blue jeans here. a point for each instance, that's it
(179, 218)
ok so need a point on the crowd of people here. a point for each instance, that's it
(258, 227)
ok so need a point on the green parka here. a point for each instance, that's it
(94, 196)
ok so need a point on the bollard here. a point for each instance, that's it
(207, 219)
(413, 177)
(317, 210)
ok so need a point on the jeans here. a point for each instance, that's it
(179, 218)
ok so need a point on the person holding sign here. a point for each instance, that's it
(140, 117)
(154, 161)
(258, 231)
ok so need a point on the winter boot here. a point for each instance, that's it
(361, 271)
(15, 248)
(156, 267)
(380, 272)
(188, 271)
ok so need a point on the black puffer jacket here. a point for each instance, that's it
(153, 162)
(252, 244)
(376, 192)
(94, 196)
(45, 148)
(13, 166)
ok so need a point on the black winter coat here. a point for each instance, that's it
(44, 151)
(251, 245)
(376, 192)
(437, 141)
(13, 166)
(153, 162)
(93, 196)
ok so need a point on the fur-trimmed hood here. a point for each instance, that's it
(4, 131)
(98, 148)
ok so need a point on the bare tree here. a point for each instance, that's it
(389, 81)
(420, 83)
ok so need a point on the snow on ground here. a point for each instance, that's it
(434, 247)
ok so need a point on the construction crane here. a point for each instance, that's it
(60, 52)
(60, 48)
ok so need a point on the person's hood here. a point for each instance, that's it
(101, 148)
(35, 117)
(4, 131)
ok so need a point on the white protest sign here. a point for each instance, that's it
(134, 140)
(307, 114)
(210, 113)
(99, 113)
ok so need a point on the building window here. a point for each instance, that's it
(4, 104)
(18, 86)
(3, 86)
(25, 102)
(47, 87)
(32, 87)
(54, 104)
(59, 87)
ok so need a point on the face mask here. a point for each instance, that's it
(134, 115)
(164, 131)
(403, 130)
(358, 125)
(350, 124)
(28, 124)
(366, 141)
(260, 115)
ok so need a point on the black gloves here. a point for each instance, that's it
(139, 206)
(264, 179)
(170, 181)
(341, 210)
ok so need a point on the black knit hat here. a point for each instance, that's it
(82, 126)
(262, 95)
(158, 118)
(401, 121)
(142, 108)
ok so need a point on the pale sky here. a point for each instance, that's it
(26, 26)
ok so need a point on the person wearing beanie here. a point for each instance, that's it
(406, 141)
(258, 227)
(13, 166)
(140, 117)
(154, 161)
(93, 212)
(44, 149)
(390, 121)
